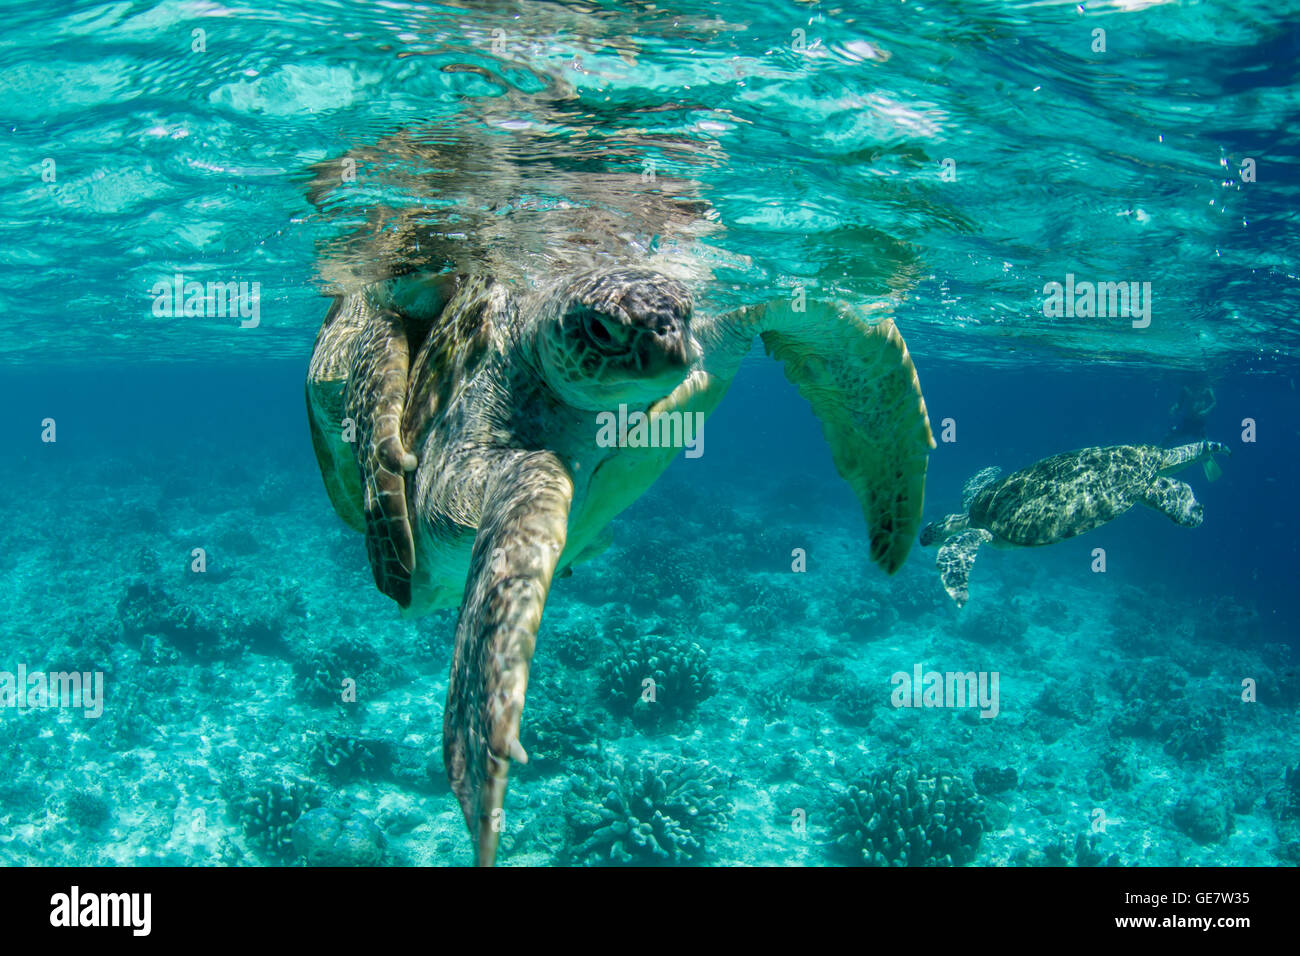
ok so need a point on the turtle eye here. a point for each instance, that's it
(600, 331)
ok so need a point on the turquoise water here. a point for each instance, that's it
(944, 162)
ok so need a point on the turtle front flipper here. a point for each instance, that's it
(356, 391)
(956, 558)
(1174, 499)
(375, 398)
(521, 534)
(863, 387)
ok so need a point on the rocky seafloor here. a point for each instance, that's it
(1122, 736)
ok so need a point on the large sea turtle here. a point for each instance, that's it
(1063, 496)
(478, 472)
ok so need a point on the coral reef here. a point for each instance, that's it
(322, 672)
(680, 671)
(991, 780)
(1194, 734)
(658, 811)
(861, 618)
(772, 702)
(1154, 680)
(1138, 625)
(856, 703)
(88, 645)
(666, 575)
(994, 624)
(1225, 619)
(821, 679)
(148, 611)
(828, 681)
(214, 681)
(1085, 851)
(1136, 718)
(345, 757)
(1073, 699)
(326, 836)
(1204, 816)
(86, 809)
(557, 734)
(1117, 762)
(1279, 682)
(1284, 803)
(916, 593)
(1156, 706)
(900, 817)
(573, 648)
(1291, 793)
(268, 811)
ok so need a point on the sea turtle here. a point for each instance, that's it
(457, 421)
(1063, 496)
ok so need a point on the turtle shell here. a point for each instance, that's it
(1065, 495)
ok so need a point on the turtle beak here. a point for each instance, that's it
(666, 347)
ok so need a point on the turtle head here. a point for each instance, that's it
(617, 337)
(943, 529)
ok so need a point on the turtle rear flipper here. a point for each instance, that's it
(521, 534)
(955, 560)
(862, 386)
(1174, 499)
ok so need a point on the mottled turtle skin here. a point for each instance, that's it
(1064, 496)
(454, 418)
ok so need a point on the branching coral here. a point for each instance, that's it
(660, 811)
(557, 734)
(348, 757)
(324, 670)
(267, 814)
(1194, 734)
(905, 818)
(679, 671)
(772, 702)
(574, 648)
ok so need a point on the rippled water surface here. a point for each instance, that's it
(960, 154)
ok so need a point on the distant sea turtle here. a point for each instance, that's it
(477, 475)
(1063, 496)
